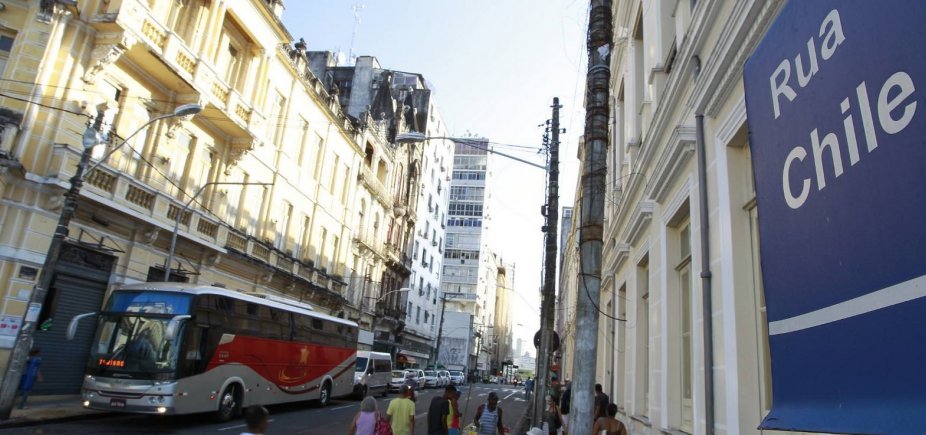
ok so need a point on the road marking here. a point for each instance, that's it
(421, 415)
(512, 394)
(341, 407)
(240, 425)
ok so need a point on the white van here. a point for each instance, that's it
(373, 373)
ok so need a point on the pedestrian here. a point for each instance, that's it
(401, 413)
(552, 417)
(565, 401)
(528, 387)
(438, 412)
(601, 403)
(30, 375)
(489, 417)
(454, 415)
(257, 419)
(365, 421)
(610, 424)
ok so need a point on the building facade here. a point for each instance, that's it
(267, 119)
(671, 62)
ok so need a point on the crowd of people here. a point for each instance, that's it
(444, 416)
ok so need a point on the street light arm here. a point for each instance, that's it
(418, 137)
(125, 141)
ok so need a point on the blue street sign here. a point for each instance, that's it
(837, 122)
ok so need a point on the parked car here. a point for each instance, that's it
(372, 373)
(430, 379)
(403, 377)
(457, 377)
(444, 377)
(419, 378)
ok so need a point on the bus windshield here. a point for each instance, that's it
(131, 343)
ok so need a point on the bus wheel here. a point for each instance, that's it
(229, 404)
(325, 398)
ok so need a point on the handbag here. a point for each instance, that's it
(382, 426)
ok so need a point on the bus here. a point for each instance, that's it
(173, 348)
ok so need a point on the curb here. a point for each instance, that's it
(28, 422)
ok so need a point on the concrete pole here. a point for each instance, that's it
(591, 212)
(548, 293)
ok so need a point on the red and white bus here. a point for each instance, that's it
(170, 348)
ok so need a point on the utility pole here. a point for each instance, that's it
(548, 294)
(591, 212)
(23, 343)
(440, 330)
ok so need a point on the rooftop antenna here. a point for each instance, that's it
(357, 7)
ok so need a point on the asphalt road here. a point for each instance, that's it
(299, 418)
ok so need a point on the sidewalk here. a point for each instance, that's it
(44, 409)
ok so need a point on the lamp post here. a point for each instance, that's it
(173, 236)
(23, 343)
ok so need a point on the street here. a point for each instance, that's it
(299, 418)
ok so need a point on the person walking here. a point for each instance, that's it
(610, 425)
(454, 415)
(552, 417)
(489, 417)
(401, 413)
(365, 420)
(31, 375)
(257, 419)
(438, 412)
(565, 401)
(528, 388)
(601, 403)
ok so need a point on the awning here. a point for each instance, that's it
(405, 359)
(414, 354)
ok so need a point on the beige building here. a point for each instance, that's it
(673, 60)
(267, 119)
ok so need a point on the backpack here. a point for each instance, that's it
(382, 425)
(564, 406)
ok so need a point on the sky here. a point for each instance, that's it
(494, 67)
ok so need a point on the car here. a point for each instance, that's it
(444, 377)
(430, 379)
(419, 378)
(457, 377)
(402, 377)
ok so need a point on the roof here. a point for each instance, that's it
(199, 289)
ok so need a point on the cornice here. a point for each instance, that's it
(639, 222)
(675, 156)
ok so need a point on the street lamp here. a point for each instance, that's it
(380, 298)
(24, 336)
(415, 137)
(173, 236)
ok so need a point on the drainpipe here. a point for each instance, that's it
(705, 267)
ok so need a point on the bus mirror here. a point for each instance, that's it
(72, 327)
(173, 325)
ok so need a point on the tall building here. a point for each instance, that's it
(503, 332)
(467, 282)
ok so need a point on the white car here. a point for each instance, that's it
(457, 377)
(402, 377)
(444, 377)
(430, 379)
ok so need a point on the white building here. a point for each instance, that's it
(672, 60)
(424, 301)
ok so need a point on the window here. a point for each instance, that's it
(469, 175)
(683, 274)
(282, 233)
(319, 156)
(6, 46)
(320, 259)
(345, 185)
(302, 249)
(642, 326)
(334, 174)
(417, 314)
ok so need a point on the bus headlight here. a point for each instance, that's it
(161, 410)
(155, 400)
(86, 403)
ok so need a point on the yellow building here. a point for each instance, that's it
(266, 119)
